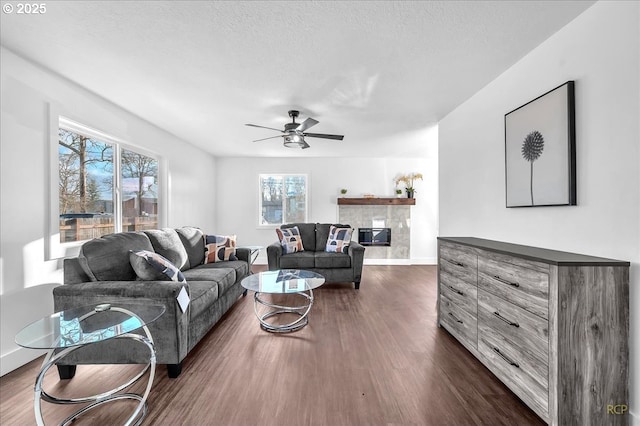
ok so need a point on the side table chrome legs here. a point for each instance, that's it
(111, 395)
(274, 310)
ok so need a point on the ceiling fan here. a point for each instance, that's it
(294, 133)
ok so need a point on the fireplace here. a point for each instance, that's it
(374, 236)
(395, 217)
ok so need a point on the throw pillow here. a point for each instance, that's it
(150, 266)
(290, 239)
(218, 248)
(339, 239)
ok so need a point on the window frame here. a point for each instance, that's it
(283, 176)
(54, 249)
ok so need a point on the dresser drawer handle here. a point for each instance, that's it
(454, 317)
(497, 314)
(502, 280)
(455, 290)
(496, 350)
(455, 263)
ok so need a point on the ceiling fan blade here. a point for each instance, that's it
(304, 145)
(272, 137)
(309, 122)
(321, 135)
(263, 127)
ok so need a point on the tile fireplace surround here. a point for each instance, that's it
(396, 217)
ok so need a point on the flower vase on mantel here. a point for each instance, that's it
(408, 180)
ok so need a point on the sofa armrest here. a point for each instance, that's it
(356, 252)
(170, 332)
(243, 254)
(74, 272)
(274, 252)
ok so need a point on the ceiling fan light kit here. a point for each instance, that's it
(294, 133)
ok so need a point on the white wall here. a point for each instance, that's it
(26, 277)
(600, 51)
(237, 188)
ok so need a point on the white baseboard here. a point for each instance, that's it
(424, 261)
(17, 358)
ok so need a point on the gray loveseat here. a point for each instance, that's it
(103, 273)
(335, 267)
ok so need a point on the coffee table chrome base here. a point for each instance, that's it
(111, 395)
(274, 310)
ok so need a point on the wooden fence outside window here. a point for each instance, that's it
(79, 229)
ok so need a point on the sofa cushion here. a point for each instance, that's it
(203, 294)
(322, 234)
(107, 257)
(150, 266)
(300, 260)
(193, 241)
(290, 240)
(332, 260)
(223, 277)
(167, 243)
(241, 267)
(339, 240)
(307, 232)
(219, 248)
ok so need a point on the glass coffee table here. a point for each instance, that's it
(72, 329)
(285, 281)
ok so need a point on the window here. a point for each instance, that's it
(283, 199)
(139, 177)
(103, 187)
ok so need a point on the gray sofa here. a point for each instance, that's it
(335, 267)
(103, 273)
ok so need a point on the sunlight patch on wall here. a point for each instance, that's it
(35, 269)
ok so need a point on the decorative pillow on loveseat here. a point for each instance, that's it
(339, 239)
(218, 248)
(150, 266)
(290, 239)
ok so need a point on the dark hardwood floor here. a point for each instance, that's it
(368, 357)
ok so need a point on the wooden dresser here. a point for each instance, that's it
(552, 326)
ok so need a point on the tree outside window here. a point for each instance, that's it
(88, 175)
(139, 191)
(283, 199)
(85, 176)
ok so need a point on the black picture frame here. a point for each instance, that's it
(540, 150)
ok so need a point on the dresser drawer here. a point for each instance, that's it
(462, 324)
(510, 328)
(459, 292)
(506, 363)
(524, 287)
(459, 262)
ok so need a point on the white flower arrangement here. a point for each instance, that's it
(408, 181)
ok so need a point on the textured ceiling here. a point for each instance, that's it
(379, 72)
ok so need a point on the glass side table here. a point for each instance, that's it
(66, 331)
(254, 253)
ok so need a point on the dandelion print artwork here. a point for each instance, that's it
(540, 151)
(531, 150)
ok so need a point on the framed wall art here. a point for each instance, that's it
(540, 150)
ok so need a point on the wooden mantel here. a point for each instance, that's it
(377, 201)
